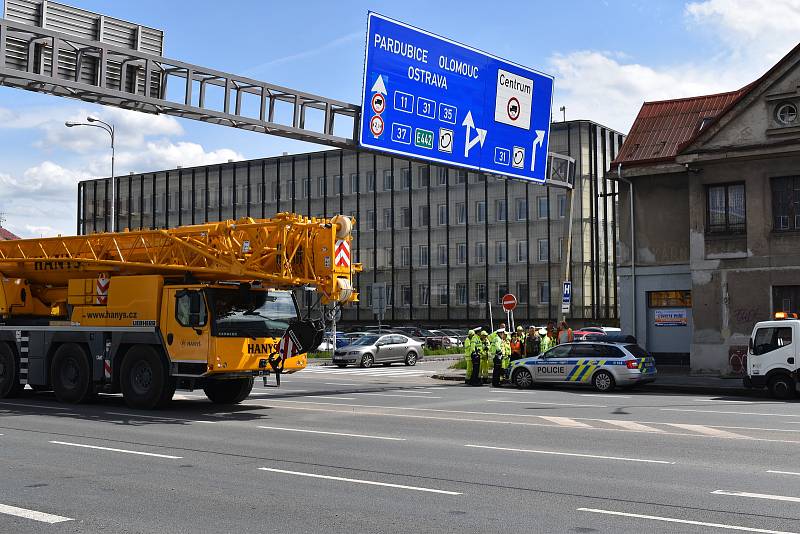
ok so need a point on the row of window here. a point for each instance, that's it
(441, 297)
(726, 206)
(462, 251)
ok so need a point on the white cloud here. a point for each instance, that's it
(163, 154)
(609, 88)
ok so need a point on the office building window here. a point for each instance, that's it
(306, 188)
(669, 299)
(405, 217)
(424, 295)
(544, 292)
(424, 215)
(337, 184)
(368, 296)
(461, 177)
(542, 205)
(388, 260)
(522, 292)
(273, 191)
(321, 192)
(480, 253)
(461, 214)
(461, 255)
(522, 251)
(423, 255)
(522, 209)
(500, 252)
(786, 203)
(480, 211)
(725, 209)
(442, 175)
(544, 252)
(560, 248)
(442, 254)
(480, 292)
(500, 207)
(370, 219)
(423, 176)
(388, 180)
(354, 183)
(406, 178)
(389, 295)
(405, 256)
(461, 293)
(502, 291)
(784, 299)
(370, 181)
(405, 295)
(442, 294)
(562, 206)
(442, 214)
(387, 218)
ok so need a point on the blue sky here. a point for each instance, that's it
(607, 57)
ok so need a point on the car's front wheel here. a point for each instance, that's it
(603, 382)
(367, 360)
(522, 378)
(411, 359)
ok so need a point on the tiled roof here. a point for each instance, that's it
(662, 128)
(5, 235)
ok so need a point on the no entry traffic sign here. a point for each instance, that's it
(509, 302)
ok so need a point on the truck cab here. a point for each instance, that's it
(772, 359)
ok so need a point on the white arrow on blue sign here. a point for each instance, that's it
(499, 111)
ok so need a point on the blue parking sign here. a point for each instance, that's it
(428, 97)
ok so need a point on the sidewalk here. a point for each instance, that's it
(669, 380)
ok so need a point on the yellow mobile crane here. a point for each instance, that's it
(146, 312)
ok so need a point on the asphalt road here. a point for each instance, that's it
(392, 450)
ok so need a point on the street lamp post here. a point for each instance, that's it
(108, 128)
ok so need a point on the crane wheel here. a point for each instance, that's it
(71, 374)
(231, 391)
(9, 373)
(144, 379)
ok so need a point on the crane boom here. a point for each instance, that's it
(286, 251)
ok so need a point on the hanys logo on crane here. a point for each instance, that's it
(342, 253)
(101, 289)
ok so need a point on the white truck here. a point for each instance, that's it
(773, 355)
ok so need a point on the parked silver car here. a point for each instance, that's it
(386, 349)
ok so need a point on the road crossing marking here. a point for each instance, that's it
(784, 473)
(707, 430)
(33, 514)
(125, 451)
(684, 521)
(756, 495)
(330, 433)
(565, 421)
(632, 425)
(359, 481)
(579, 455)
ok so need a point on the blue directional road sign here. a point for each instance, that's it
(428, 97)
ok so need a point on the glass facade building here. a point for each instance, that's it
(437, 242)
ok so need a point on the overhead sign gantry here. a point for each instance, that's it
(429, 97)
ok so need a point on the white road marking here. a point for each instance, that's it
(577, 455)
(756, 495)
(341, 384)
(549, 403)
(707, 430)
(358, 481)
(565, 421)
(278, 390)
(398, 395)
(737, 401)
(605, 395)
(157, 418)
(330, 397)
(84, 446)
(784, 473)
(631, 425)
(684, 521)
(728, 412)
(33, 514)
(330, 433)
(43, 406)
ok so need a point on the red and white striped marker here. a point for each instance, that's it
(101, 289)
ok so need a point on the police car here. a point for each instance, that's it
(604, 365)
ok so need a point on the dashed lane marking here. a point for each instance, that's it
(158, 418)
(784, 473)
(729, 412)
(125, 451)
(749, 495)
(574, 454)
(304, 430)
(684, 521)
(549, 403)
(32, 514)
(398, 395)
(358, 481)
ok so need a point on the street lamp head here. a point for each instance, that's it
(70, 124)
(91, 119)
